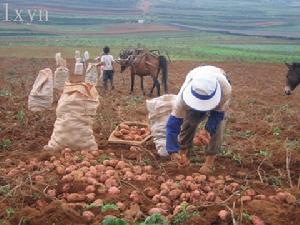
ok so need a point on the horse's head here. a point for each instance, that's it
(292, 78)
(125, 57)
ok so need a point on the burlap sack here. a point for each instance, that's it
(75, 112)
(78, 69)
(159, 111)
(61, 75)
(41, 95)
(92, 74)
(59, 60)
(77, 54)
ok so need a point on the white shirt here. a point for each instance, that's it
(108, 60)
(180, 108)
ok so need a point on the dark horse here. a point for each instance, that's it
(292, 78)
(145, 63)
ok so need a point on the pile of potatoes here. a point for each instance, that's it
(109, 177)
(131, 132)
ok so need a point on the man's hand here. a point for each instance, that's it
(202, 138)
(180, 159)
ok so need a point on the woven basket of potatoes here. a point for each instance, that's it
(132, 133)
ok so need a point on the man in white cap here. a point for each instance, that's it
(205, 92)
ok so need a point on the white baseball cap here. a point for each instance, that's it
(203, 92)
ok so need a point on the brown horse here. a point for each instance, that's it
(144, 63)
(292, 78)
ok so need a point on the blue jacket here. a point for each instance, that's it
(174, 126)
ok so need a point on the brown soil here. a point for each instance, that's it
(262, 121)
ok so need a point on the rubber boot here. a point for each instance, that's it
(208, 165)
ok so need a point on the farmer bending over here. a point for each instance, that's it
(205, 92)
(108, 68)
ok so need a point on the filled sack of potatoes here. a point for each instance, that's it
(59, 60)
(75, 115)
(159, 111)
(78, 69)
(41, 94)
(61, 75)
(77, 54)
(91, 74)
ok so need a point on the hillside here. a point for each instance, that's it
(257, 30)
(257, 17)
(261, 17)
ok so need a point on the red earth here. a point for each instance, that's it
(262, 126)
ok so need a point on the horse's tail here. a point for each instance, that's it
(163, 65)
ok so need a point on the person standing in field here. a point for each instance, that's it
(206, 92)
(107, 61)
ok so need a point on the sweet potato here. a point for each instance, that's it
(165, 199)
(90, 189)
(100, 168)
(110, 182)
(67, 178)
(75, 197)
(124, 132)
(200, 178)
(121, 206)
(163, 206)
(206, 188)
(60, 170)
(137, 169)
(136, 197)
(98, 202)
(174, 194)
(250, 192)
(280, 196)
(85, 163)
(91, 180)
(138, 137)
(71, 168)
(121, 165)
(156, 198)
(246, 198)
(90, 197)
(140, 177)
(157, 210)
(150, 192)
(101, 189)
(51, 193)
(212, 179)
(118, 134)
(210, 196)
(88, 216)
(196, 194)
(223, 214)
(110, 173)
(260, 197)
(185, 197)
(114, 190)
(77, 174)
(129, 175)
(290, 199)
(127, 138)
(124, 126)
